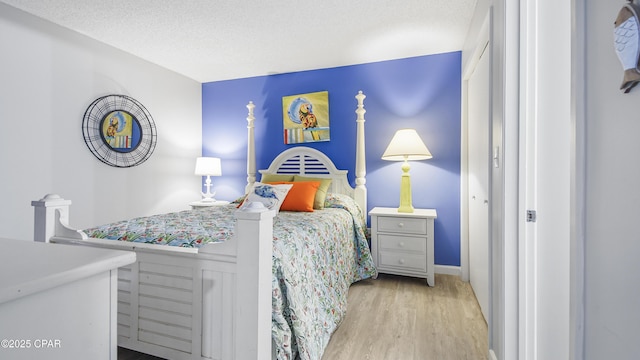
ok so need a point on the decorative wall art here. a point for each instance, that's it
(306, 117)
(626, 36)
(119, 131)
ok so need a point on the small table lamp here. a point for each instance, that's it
(406, 145)
(208, 166)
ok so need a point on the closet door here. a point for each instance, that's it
(478, 169)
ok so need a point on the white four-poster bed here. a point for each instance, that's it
(213, 301)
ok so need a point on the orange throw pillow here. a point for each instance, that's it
(301, 196)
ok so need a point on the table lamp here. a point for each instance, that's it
(208, 166)
(406, 145)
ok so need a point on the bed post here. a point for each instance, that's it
(51, 219)
(254, 238)
(360, 194)
(251, 149)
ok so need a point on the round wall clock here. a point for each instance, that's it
(119, 131)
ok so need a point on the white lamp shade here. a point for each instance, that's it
(406, 145)
(208, 166)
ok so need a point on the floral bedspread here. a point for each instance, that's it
(316, 257)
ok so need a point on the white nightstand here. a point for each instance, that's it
(402, 243)
(202, 204)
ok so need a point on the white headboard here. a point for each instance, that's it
(305, 161)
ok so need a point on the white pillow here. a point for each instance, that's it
(271, 196)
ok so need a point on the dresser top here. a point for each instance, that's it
(28, 267)
(418, 213)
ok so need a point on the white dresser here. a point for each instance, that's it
(58, 301)
(402, 243)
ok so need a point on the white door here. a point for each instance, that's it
(478, 171)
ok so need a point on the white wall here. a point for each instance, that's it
(612, 273)
(48, 78)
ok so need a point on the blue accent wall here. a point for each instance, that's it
(420, 92)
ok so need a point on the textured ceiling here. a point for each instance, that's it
(209, 40)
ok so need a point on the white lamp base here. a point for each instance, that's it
(208, 196)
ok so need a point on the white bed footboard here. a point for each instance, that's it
(176, 303)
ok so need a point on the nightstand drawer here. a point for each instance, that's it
(402, 225)
(402, 261)
(406, 243)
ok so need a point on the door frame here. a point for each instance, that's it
(578, 181)
(512, 327)
(538, 282)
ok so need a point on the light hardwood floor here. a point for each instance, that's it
(396, 317)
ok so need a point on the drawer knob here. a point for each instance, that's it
(401, 244)
(401, 261)
(400, 224)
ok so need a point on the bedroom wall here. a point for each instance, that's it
(421, 93)
(612, 243)
(48, 77)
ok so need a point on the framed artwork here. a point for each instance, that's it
(119, 131)
(306, 117)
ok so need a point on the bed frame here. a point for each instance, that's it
(213, 302)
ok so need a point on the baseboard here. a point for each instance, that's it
(492, 355)
(448, 270)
